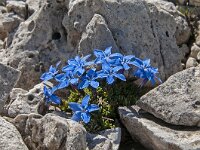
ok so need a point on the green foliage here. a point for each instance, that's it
(109, 98)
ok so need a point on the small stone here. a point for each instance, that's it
(3, 9)
(191, 62)
(10, 138)
(154, 134)
(8, 79)
(194, 51)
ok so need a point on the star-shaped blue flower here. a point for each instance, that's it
(65, 79)
(109, 73)
(145, 71)
(82, 111)
(50, 97)
(103, 56)
(51, 73)
(124, 61)
(77, 65)
(89, 79)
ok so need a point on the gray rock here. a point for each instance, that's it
(184, 50)
(191, 62)
(3, 9)
(51, 132)
(97, 34)
(25, 102)
(58, 30)
(154, 134)
(18, 7)
(10, 137)
(176, 101)
(194, 51)
(8, 79)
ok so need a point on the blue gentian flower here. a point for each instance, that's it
(77, 65)
(109, 73)
(89, 79)
(50, 97)
(82, 111)
(65, 79)
(103, 56)
(52, 72)
(124, 61)
(145, 71)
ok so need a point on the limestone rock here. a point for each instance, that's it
(97, 34)
(58, 30)
(18, 7)
(194, 51)
(191, 62)
(8, 79)
(50, 132)
(154, 134)
(176, 101)
(25, 102)
(10, 137)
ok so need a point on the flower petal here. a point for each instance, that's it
(93, 107)
(85, 117)
(55, 99)
(98, 52)
(108, 51)
(75, 106)
(77, 116)
(46, 76)
(110, 79)
(94, 84)
(63, 84)
(120, 76)
(85, 101)
(83, 84)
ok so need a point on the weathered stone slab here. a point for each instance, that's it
(177, 101)
(8, 79)
(155, 134)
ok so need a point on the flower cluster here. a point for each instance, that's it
(81, 73)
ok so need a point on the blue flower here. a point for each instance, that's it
(103, 56)
(82, 111)
(124, 61)
(89, 79)
(145, 71)
(110, 72)
(77, 65)
(65, 79)
(52, 72)
(50, 97)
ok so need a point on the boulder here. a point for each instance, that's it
(50, 132)
(194, 51)
(10, 137)
(26, 102)
(155, 134)
(176, 101)
(8, 79)
(59, 30)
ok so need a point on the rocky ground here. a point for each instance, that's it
(36, 34)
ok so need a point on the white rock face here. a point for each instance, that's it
(10, 137)
(177, 100)
(191, 62)
(154, 134)
(58, 30)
